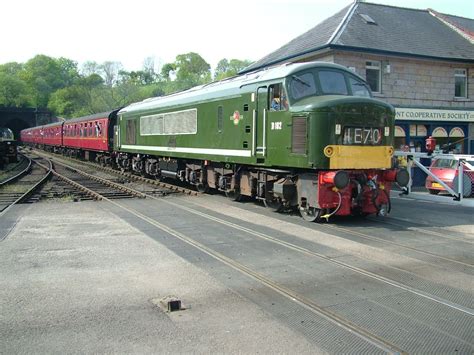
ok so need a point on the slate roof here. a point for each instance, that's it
(397, 30)
(462, 22)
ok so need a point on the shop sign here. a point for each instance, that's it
(419, 114)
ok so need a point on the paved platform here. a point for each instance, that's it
(422, 194)
(88, 277)
(77, 279)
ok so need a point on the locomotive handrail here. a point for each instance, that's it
(264, 140)
(254, 133)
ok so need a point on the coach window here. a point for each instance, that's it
(460, 83)
(373, 76)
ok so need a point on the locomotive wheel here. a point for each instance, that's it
(234, 194)
(311, 214)
(202, 188)
(273, 204)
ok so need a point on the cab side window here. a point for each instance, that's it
(278, 100)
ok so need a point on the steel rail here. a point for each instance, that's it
(306, 251)
(390, 220)
(131, 176)
(20, 174)
(32, 189)
(287, 292)
(377, 239)
(80, 187)
(104, 181)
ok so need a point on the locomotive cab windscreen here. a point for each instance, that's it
(325, 82)
(6, 134)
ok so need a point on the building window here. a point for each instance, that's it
(460, 83)
(373, 76)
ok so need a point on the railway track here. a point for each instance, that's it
(135, 182)
(435, 258)
(15, 172)
(21, 186)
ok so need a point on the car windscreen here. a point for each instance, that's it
(444, 163)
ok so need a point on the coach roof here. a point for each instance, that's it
(90, 117)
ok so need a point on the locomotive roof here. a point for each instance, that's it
(226, 87)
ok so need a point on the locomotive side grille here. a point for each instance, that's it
(299, 135)
(171, 123)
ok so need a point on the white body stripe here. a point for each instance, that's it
(210, 151)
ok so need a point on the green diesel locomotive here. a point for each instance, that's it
(305, 135)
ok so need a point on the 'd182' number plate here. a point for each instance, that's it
(364, 136)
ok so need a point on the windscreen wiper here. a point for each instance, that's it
(301, 81)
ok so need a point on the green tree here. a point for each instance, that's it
(190, 70)
(90, 67)
(44, 75)
(110, 72)
(82, 98)
(226, 69)
(11, 68)
(13, 91)
(68, 71)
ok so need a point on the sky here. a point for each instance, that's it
(130, 31)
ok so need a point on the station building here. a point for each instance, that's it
(420, 61)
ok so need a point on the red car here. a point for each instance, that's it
(446, 169)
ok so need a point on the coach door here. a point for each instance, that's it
(260, 149)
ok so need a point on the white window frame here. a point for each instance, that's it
(460, 73)
(374, 65)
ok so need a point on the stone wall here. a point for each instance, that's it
(412, 82)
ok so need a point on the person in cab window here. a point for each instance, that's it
(276, 102)
(279, 100)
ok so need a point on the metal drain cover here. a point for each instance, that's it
(168, 303)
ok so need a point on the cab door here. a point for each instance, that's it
(260, 119)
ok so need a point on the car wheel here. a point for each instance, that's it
(433, 192)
